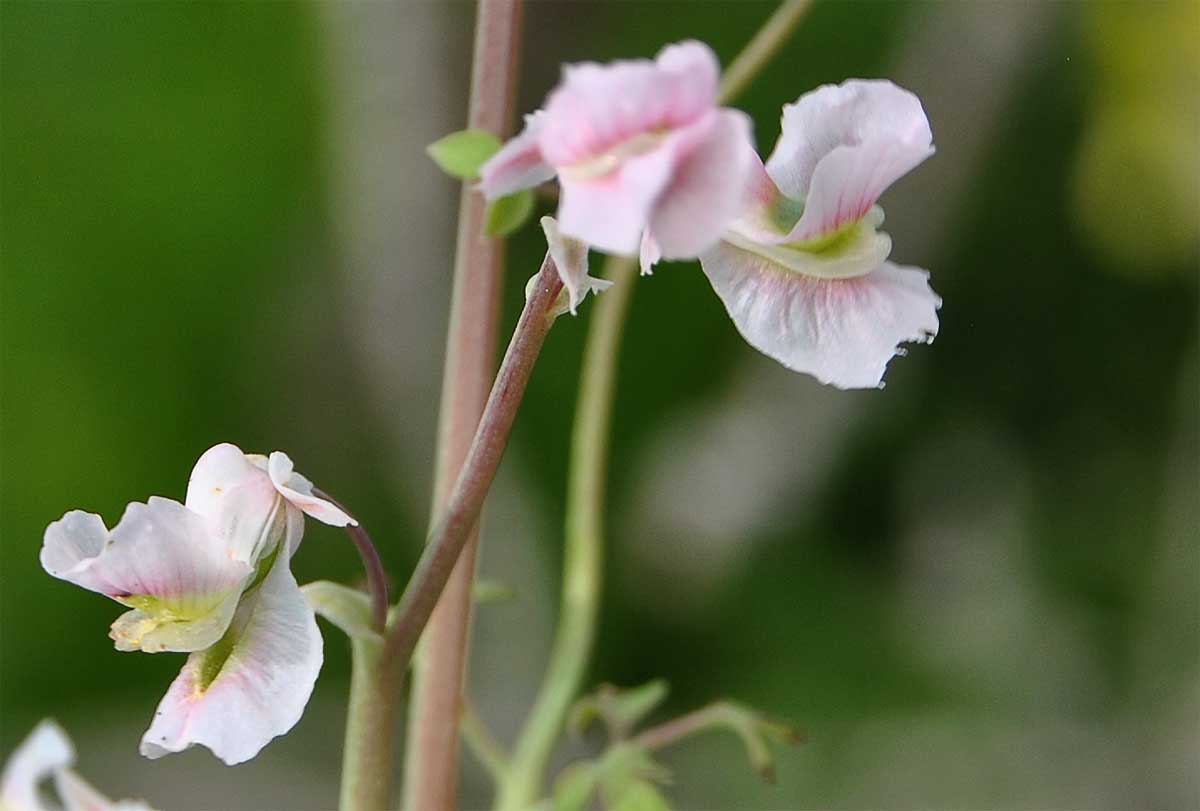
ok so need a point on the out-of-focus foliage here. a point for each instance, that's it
(975, 588)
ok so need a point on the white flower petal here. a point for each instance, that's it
(160, 560)
(842, 146)
(43, 752)
(855, 251)
(251, 686)
(571, 260)
(298, 491)
(649, 254)
(841, 331)
(237, 498)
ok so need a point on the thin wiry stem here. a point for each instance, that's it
(376, 579)
(588, 473)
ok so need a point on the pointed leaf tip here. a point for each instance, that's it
(460, 154)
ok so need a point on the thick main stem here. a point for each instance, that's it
(582, 564)
(431, 760)
(368, 753)
(588, 472)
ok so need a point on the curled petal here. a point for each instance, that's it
(160, 560)
(855, 251)
(842, 146)
(44, 751)
(841, 331)
(571, 259)
(237, 498)
(706, 191)
(597, 108)
(251, 686)
(519, 163)
(298, 491)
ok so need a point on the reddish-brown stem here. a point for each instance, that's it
(431, 760)
(376, 580)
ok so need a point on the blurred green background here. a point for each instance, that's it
(977, 587)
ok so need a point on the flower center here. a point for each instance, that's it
(600, 165)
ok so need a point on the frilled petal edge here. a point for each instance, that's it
(252, 685)
(571, 260)
(841, 331)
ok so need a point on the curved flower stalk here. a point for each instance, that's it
(636, 145)
(47, 753)
(211, 577)
(804, 272)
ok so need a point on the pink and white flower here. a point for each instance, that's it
(636, 145)
(47, 753)
(211, 577)
(804, 273)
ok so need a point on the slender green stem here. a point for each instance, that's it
(368, 753)
(480, 741)
(588, 472)
(582, 565)
(760, 50)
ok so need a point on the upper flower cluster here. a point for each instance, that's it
(649, 163)
(210, 577)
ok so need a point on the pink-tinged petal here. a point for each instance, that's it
(234, 493)
(842, 146)
(44, 751)
(767, 216)
(841, 331)
(298, 491)
(707, 188)
(649, 254)
(249, 688)
(610, 209)
(597, 108)
(571, 260)
(79, 795)
(856, 251)
(162, 561)
(519, 163)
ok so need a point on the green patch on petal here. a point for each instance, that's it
(853, 250)
(214, 659)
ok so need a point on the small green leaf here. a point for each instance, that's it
(509, 213)
(460, 154)
(349, 609)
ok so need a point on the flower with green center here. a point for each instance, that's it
(211, 577)
(803, 272)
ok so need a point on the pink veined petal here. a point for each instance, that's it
(161, 560)
(252, 687)
(571, 260)
(649, 254)
(842, 146)
(598, 107)
(519, 163)
(707, 189)
(298, 491)
(234, 493)
(761, 219)
(44, 751)
(841, 331)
